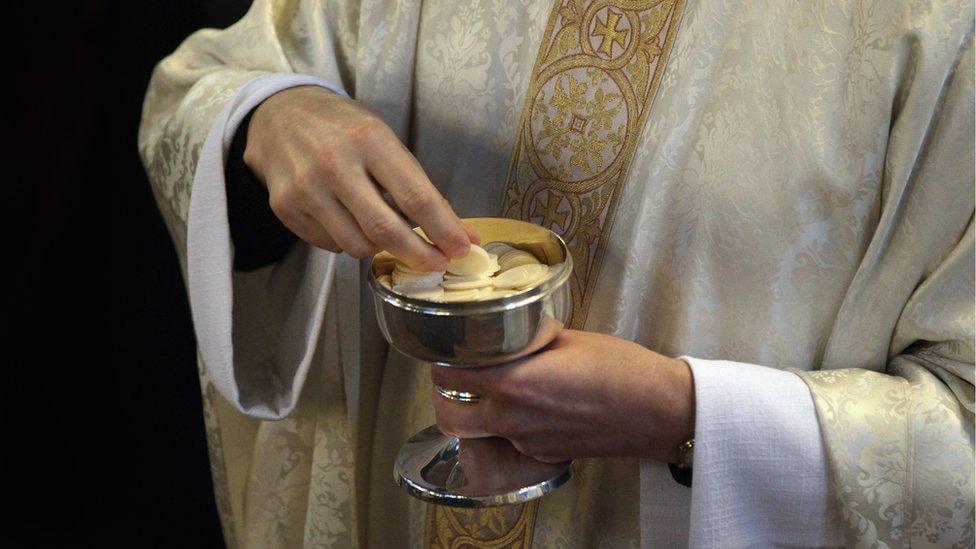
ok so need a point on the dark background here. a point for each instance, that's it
(104, 441)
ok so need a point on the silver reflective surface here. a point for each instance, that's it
(474, 472)
(486, 471)
(481, 333)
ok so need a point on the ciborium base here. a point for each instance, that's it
(474, 472)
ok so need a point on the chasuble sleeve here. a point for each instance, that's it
(899, 436)
(900, 443)
(256, 332)
(191, 86)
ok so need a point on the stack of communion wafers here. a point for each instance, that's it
(497, 270)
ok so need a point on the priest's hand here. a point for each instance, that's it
(586, 395)
(327, 161)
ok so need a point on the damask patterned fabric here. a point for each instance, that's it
(784, 184)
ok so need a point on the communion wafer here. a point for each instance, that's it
(405, 271)
(498, 248)
(404, 267)
(426, 280)
(430, 294)
(494, 293)
(521, 276)
(475, 262)
(516, 258)
(494, 264)
(466, 282)
(457, 295)
(480, 275)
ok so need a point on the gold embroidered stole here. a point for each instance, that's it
(594, 80)
(592, 86)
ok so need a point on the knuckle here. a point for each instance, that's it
(329, 161)
(417, 199)
(302, 190)
(283, 203)
(381, 228)
(251, 156)
(368, 129)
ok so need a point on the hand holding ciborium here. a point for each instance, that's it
(485, 326)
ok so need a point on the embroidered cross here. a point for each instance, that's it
(577, 124)
(610, 33)
(549, 212)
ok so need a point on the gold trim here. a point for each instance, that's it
(592, 86)
(492, 528)
(594, 80)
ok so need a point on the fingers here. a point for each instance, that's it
(552, 459)
(382, 226)
(472, 236)
(498, 413)
(305, 227)
(472, 380)
(330, 158)
(342, 226)
(316, 235)
(397, 171)
(461, 419)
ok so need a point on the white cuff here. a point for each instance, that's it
(269, 392)
(760, 471)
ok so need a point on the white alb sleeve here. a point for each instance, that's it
(267, 388)
(760, 469)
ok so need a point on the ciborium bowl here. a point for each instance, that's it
(477, 472)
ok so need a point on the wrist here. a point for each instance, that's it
(675, 423)
(252, 149)
(685, 413)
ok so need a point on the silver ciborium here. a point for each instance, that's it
(477, 472)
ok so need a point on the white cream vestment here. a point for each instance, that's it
(799, 196)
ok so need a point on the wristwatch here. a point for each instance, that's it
(681, 471)
(686, 454)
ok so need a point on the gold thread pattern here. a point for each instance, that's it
(592, 85)
(491, 528)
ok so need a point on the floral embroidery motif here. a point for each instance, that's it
(897, 477)
(494, 527)
(592, 86)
